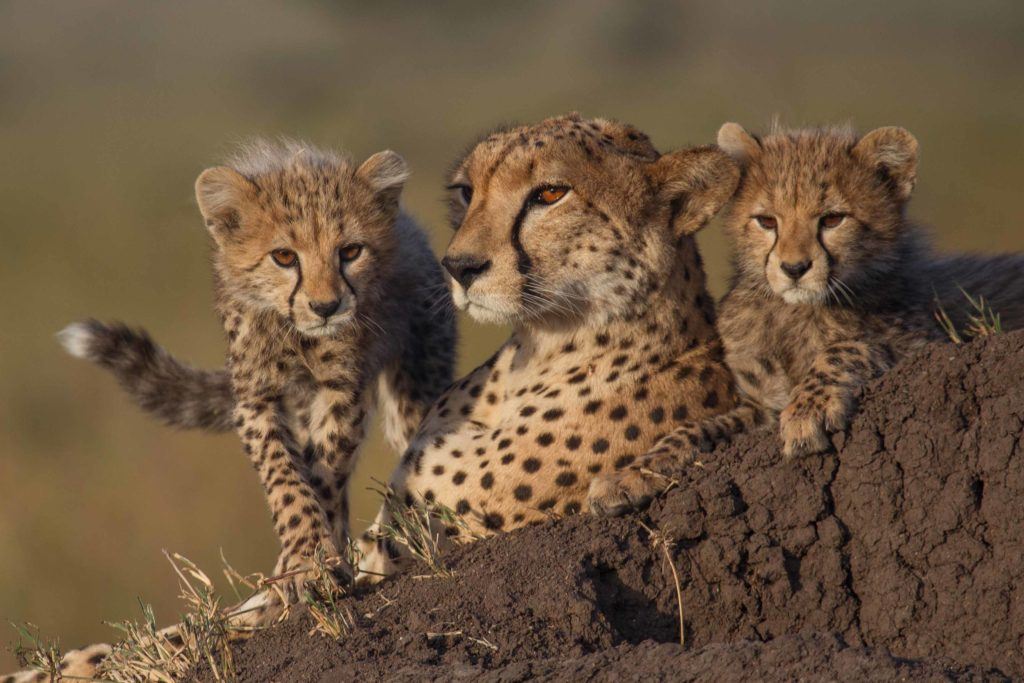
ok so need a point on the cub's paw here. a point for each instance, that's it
(633, 487)
(296, 574)
(802, 427)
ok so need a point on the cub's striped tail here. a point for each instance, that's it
(177, 394)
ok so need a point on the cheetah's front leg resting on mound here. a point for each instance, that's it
(633, 487)
(825, 400)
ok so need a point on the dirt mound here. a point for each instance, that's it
(898, 557)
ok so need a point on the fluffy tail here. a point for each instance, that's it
(177, 394)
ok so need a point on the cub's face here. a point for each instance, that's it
(570, 219)
(310, 240)
(818, 216)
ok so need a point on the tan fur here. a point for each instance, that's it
(302, 383)
(802, 348)
(613, 340)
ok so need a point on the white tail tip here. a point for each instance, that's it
(76, 339)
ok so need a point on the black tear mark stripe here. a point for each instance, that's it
(295, 290)
(523, 261)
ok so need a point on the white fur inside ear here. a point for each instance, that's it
(385, 170)
(77, 339)
(737, 142)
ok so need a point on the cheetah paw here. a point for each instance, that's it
(633, 487)
(803, 431)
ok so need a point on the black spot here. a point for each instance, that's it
(594, 469)
(573, 442)
(553, 414)
(531, 464)
(438, 470)
(632, 433)
(527, 411)
(459, 477)
(599, 446)
(571, 508)
(523, 492)
(462, 507)
(545, 439)
(566, 478)
(618, 413)
(494, 521)
(711, 400)
(679, 413)
(657, 415)
(624, 460)
(591, 407)
(507, 458)
(504, 443)
(546, 504)
(487, 481)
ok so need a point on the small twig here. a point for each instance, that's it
(658, 539)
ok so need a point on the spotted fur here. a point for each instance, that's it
(861, 288)
(613, 339)
(301, 379)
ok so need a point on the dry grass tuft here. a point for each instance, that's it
(419, 529)
(983, 322)
(32, 650)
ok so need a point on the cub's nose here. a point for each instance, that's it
(325, 309)
(465, 269)
(795, 271)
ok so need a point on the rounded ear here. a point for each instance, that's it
(893, 152)
(385, 172)
(737, 143)
(696, 183)
(221, 193)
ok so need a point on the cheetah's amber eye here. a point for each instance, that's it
(286, 258)
(549, 195)
(831, 220)
(767, 222)
(350, 253)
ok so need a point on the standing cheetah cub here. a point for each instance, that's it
(579, 234)
(329, 295)
(832, 283)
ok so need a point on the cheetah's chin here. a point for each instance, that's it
(797, 295)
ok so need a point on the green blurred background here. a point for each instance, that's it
(109, 110)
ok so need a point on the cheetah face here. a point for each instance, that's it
(817, 218)
(568, 220)
(310, 242)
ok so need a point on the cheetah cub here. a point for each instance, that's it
(331, 298)
(578, 234)
(832, 283)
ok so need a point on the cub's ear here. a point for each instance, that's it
(738, 143)
(893, 151)
(696, 183)
(385, 172)
(222, 193)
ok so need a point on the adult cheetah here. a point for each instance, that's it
(579, 234)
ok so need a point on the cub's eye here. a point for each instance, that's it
(767, 222)
(286, 258)
(350, 253)
(465, 192)
(549, 195)
(831, 220)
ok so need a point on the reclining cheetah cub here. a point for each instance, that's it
(324, 287)
(578, 234)
(832, 284)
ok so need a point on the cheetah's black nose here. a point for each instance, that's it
(465, 269)
(796, 270)
(325, 309)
